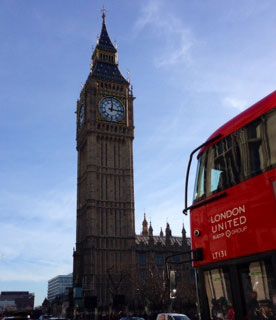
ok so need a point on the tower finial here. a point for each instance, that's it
(128, 76)
(150, 230)
(183, 231)
(103, 13)
(145, 229)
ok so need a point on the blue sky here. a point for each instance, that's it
(193, 65)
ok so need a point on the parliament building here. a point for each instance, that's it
(114, 267)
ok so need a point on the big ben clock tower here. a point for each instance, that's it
(105, 235)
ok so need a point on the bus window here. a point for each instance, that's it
(219, 295)
(199, 191)
(258, 290)
(216, 179)
(223, 165)
(255, 147)
(238, 157)
(271, 134)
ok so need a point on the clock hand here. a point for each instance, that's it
(111, 109)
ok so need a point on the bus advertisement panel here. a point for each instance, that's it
(233, 217)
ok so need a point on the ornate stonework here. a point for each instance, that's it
(108, 253)
(105, 200)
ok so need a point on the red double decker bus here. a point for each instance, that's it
(233, 217)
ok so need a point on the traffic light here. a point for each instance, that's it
(173, 284)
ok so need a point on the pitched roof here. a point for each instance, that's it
(157, 240)
(107, 72)
(104, 42)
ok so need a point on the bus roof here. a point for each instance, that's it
(247, 116)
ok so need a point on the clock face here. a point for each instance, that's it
(112, 109)
(81, 116)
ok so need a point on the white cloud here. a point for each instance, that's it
(246, 11)
(238, 104)
(24, 257)
(148, 15)
(177, 39)
(50, 207)
(37, 235)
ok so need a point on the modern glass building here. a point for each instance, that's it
(57, 286)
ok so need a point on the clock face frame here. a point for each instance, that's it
(112, 109)
(81, 115)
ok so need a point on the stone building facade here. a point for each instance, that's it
(109, 258)
(16, 301)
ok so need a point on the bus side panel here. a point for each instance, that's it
(198, 218)
(241, 224)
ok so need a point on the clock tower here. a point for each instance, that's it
(105, 236)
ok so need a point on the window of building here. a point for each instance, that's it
(176, 259)
(159, 260)
(142, 259)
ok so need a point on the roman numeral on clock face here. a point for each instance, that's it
(112, 109)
